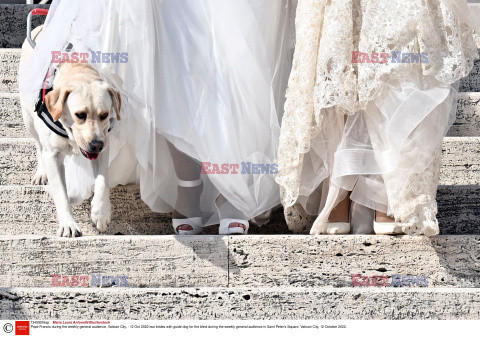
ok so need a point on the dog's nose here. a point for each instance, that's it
(96, 146)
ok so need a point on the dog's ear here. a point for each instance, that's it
(55, 100)
(116, 100)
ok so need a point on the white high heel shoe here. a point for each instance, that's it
(386, 228)
(188, 226)
(339, 228)
(233, 226)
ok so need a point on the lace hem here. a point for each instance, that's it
(423, 221)
(323, 75)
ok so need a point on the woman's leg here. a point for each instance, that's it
(190, 187)
(340, 213)
(339, 218)
(383, 217)
(189, 190)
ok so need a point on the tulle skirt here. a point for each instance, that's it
(368, 127)
(207, 76)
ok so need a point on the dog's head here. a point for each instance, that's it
(86, 108)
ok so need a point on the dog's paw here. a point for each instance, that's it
(69, 230)
(40, 178)
(101, 214)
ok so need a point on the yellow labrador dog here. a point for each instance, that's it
(84, 104)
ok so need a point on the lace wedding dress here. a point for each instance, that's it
(374, 129)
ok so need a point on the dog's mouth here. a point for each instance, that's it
(89, 155)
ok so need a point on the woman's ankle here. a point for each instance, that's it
(341, 212)
(191, 214)
(188, 202)
(381, 217)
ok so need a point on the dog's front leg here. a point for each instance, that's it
(101, 206)
(40, 177)
(54, 166)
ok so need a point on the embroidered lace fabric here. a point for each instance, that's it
(325, 84)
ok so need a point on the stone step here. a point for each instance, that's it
(9, 60)
(26, 210)
(147, 261)
(467, 124)
(461, 161)
(252, 261)
(238, 303)
(309, 261)
(468, 116)
(472, 81)
(11, 120)
(13, 23)
(30, 210)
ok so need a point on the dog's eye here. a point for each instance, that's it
(103, 116)
(81, 115)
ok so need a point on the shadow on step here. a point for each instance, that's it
(459, 209)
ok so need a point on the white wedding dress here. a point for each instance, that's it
(387, 152)
(208, 76)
